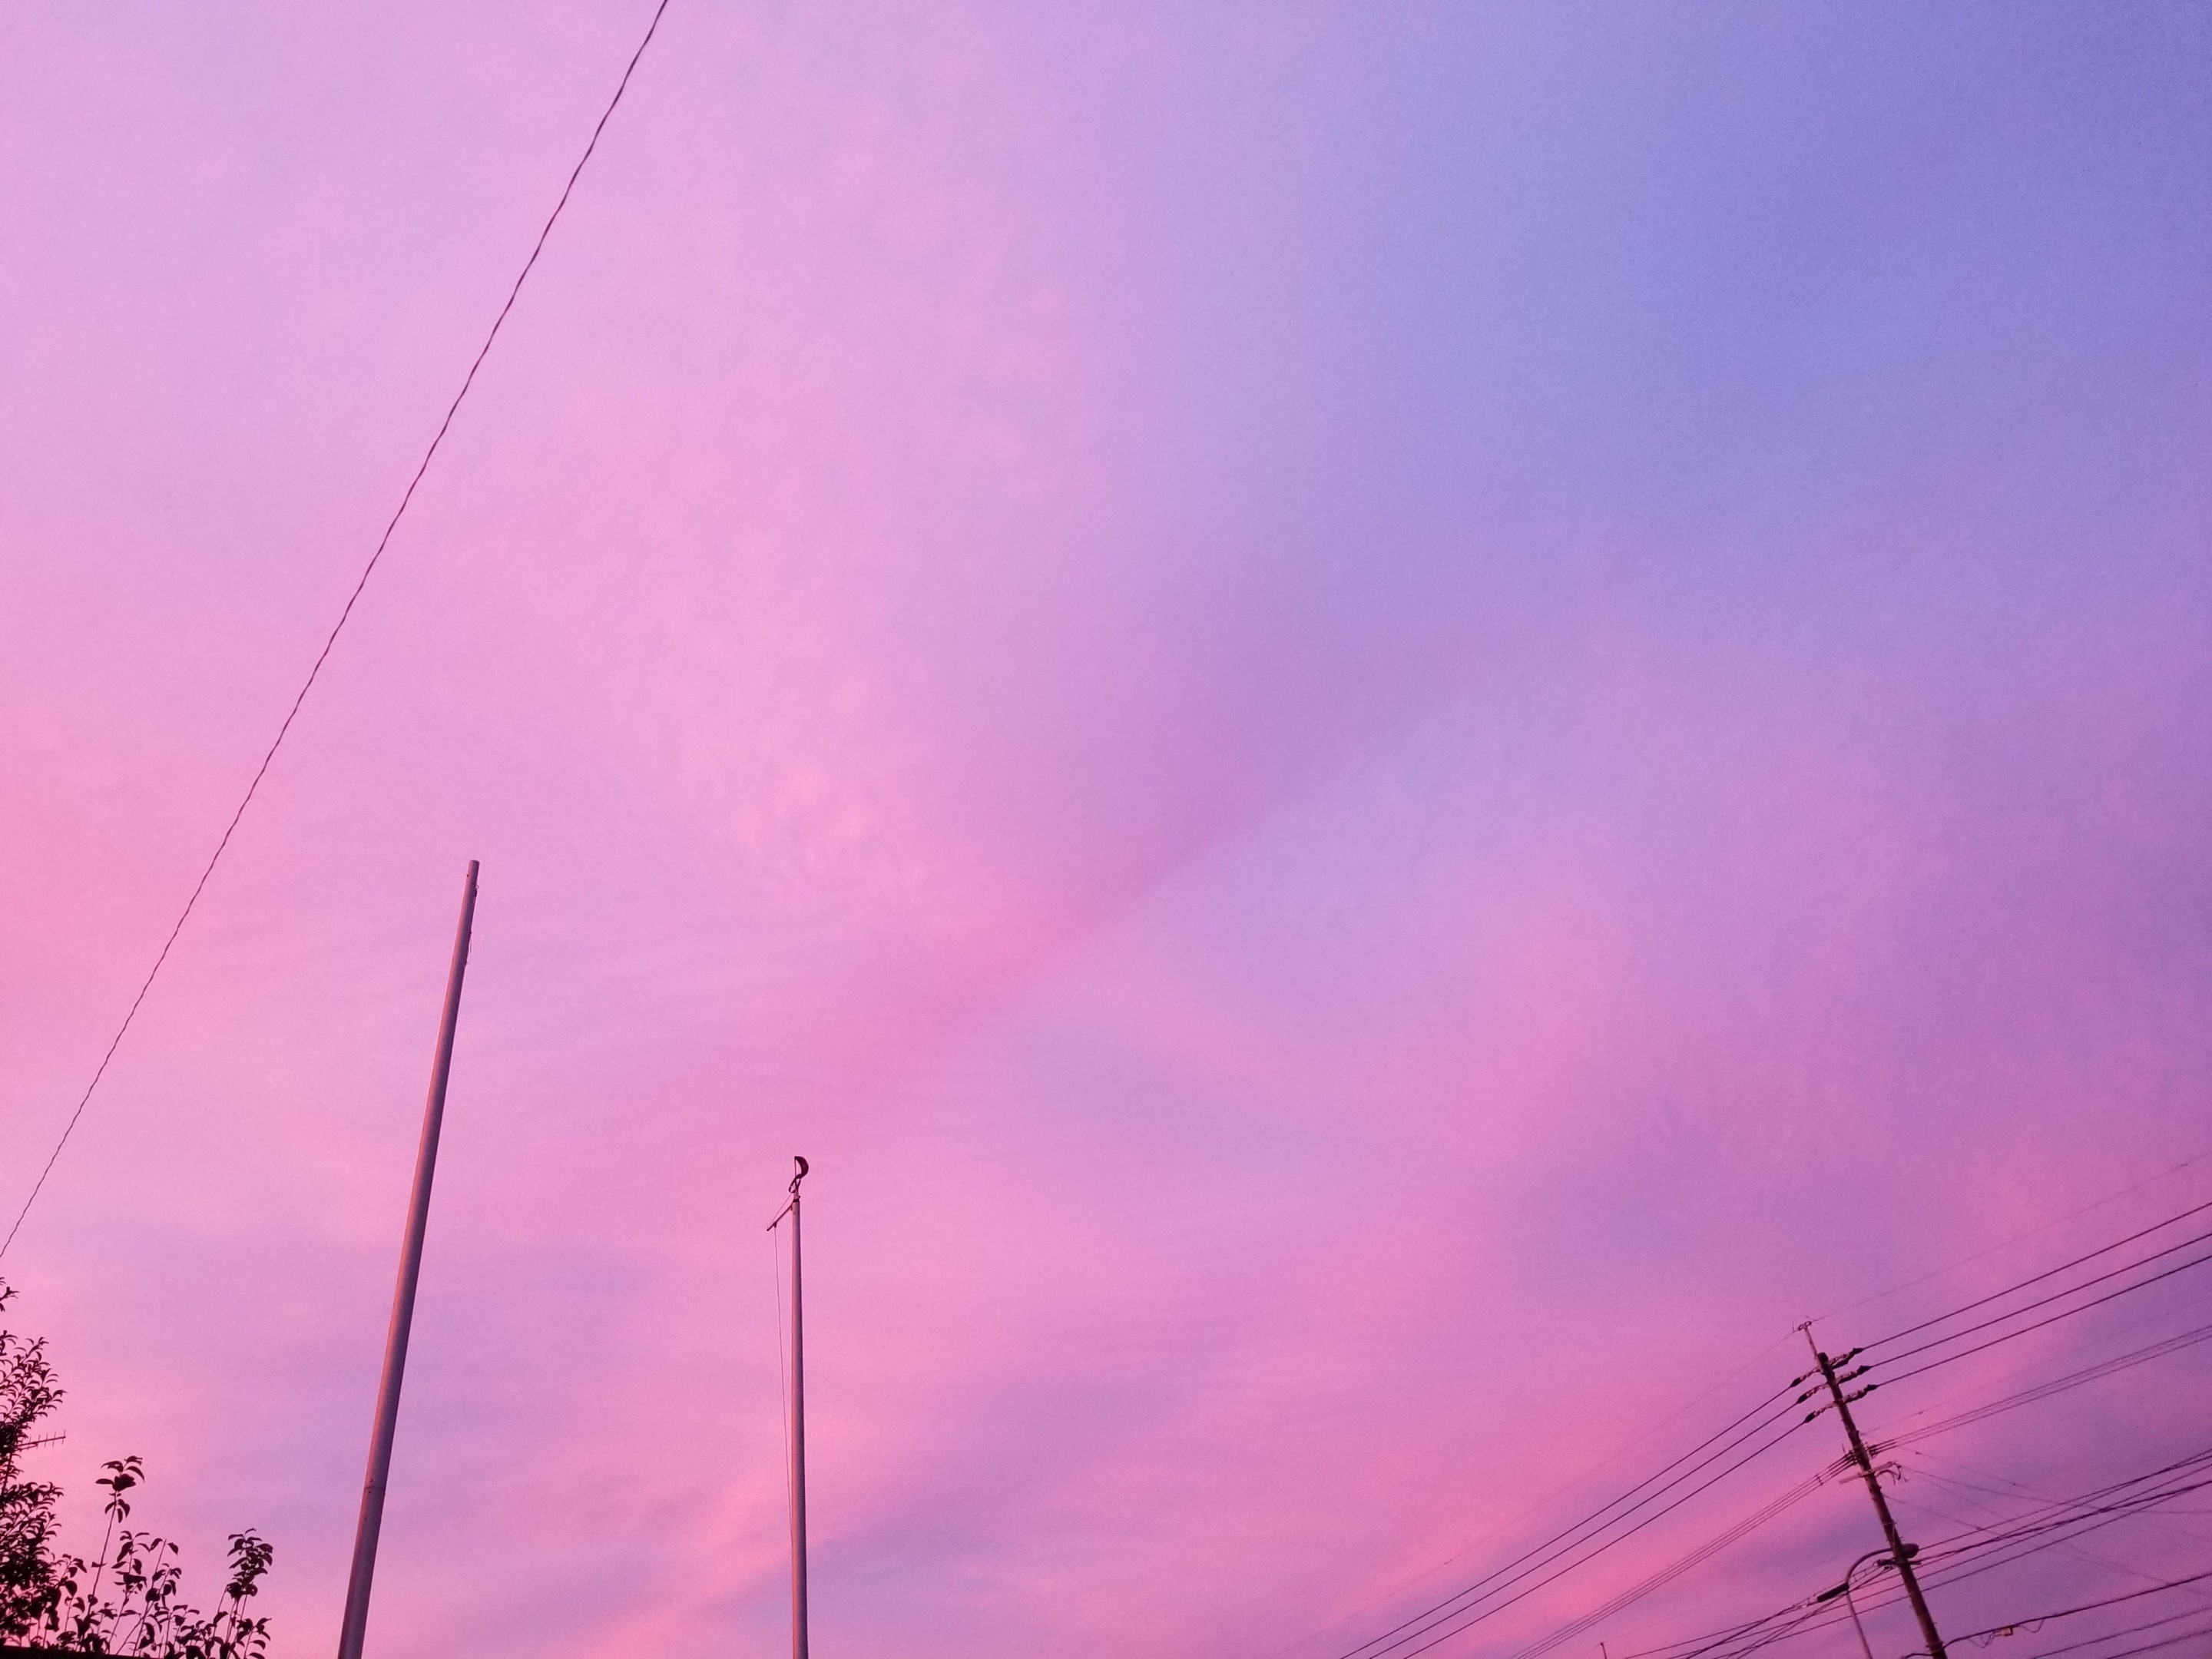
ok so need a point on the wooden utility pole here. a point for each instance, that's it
(1900, 1554)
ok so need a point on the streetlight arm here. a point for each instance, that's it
(1851, 1572)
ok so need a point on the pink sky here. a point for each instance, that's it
(1387, 728)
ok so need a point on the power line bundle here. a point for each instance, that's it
(2146, 1257)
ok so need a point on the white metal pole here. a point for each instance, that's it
(355, 1623)
(798, 1435)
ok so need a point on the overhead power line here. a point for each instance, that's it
(1565, 1543)
(2029, 1396)
(2011, 1624)
(1713, 1641)
(2048, 1273)
(2048, 1524)
(1578, 1545)
(2056, 1523)
(345, 612)
(1473, 1612)
(1788, 1499)
(2135, 1630)
(2153, 1647)
(1996, 1320)
(2067, 1313)
(2190, 1162)
(2173, 1640)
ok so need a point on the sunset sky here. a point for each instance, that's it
(1389, 727)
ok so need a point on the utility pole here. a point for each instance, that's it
(356, 1624)
(797, 1475)
(1900, 1553)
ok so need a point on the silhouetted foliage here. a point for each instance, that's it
(28, 1590)
(126, 1600)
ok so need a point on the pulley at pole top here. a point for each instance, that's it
(791, 1203)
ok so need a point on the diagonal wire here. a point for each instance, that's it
(2048, 1319)
(2029, 1307)
(1568, 1540)
(308, 684)
(2007, 1243)
(1562, 1491)
(2149, 1647)
(1743, 1638)
(1469, 1599)
(1473, 1612)
(2011, 1625)
(2042, 1391)
(2133, 1630)
(2028, 1535)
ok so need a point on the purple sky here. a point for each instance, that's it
(1389, 727)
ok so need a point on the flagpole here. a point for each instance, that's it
(354, 1626)
(797, 1424)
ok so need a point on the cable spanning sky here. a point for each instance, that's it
(1387, 729)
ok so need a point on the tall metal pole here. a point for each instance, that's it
(355, 1623)
(798, 1435)
(1900, 1556)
